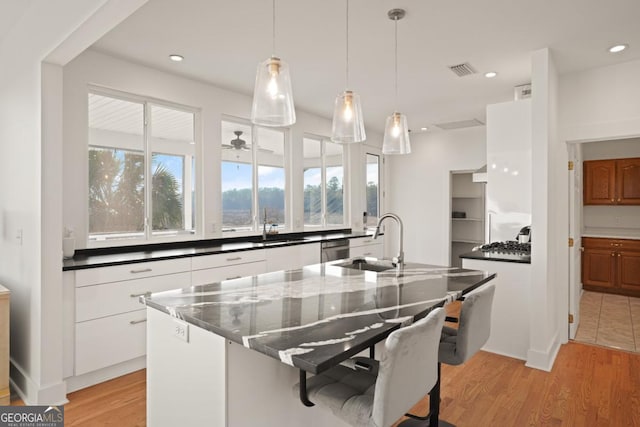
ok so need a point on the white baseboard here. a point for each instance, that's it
(503, 353)
(32, 393)
(92, 378)
(544, 360)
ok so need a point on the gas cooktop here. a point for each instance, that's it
(508, 247)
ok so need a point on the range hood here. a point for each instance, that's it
(480, 175)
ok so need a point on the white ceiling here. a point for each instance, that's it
(223, 41)
(12, 11)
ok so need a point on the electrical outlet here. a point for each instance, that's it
(181, 330)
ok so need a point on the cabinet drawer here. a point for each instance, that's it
(221, 260)
(210, 275)
(110, 340)
(375, 251)
(364, 241)
(614, 244)
(97, 301)
(293, 257)
(139, 270)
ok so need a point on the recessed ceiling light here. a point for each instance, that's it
(424, 128)
(490, 74)
(176, 58)
(618, 48)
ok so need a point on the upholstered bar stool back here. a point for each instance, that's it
(474, 328)
(382, 394)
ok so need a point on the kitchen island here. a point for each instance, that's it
(228, 353)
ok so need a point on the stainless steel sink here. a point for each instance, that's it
(367, 264)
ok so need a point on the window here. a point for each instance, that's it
(253, 177)
(373, 190)
(141, 172)
(323, 175)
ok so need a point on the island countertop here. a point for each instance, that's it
(313, 318)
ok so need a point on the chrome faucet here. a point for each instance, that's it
(399, 259)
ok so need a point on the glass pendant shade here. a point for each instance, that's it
(272, 95)
(348, 125)
(396, 135)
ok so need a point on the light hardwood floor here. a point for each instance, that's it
(589, 386)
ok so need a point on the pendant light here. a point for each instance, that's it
(396, 131)
(272, 95)
(348, 125)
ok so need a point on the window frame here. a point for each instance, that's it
(256, 223)
(374, 151)
(323, 140)
(188, 179)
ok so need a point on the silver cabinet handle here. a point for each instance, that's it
(367, 241)
(234, 258)
(140, 294)
(142, 270)
(135, 322)
(234, 277)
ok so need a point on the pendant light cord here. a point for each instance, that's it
(273, 39)
(396, 65)
(347, 50)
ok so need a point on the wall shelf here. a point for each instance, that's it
(468, 197)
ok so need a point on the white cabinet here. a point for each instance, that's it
(509, 183)
(366, 247)
(214, 268)
(109, 319)
(293, 257)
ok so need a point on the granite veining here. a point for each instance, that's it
(316, 316)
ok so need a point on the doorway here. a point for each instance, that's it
(600, 318)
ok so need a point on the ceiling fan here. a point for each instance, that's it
(237, 143)
(240, 144)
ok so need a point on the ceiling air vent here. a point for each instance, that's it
(460, 124)
(462, 70)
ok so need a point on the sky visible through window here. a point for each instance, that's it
(238, 176)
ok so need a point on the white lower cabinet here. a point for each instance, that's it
(215, 268)
(110, 340)
(366, 247)
(293, 257)
(105, 323)
(109, 324)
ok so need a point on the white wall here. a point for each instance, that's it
(28, 207)
(549, 217)
(600, 103)
(419, 189)
(96, 68)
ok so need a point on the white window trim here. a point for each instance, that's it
(256, 227)
(148, 237)
(323, 140)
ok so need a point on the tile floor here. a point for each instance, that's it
(609, 320)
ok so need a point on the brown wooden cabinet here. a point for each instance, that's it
(612, 182)
(611, 265)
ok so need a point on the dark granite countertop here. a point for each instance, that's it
(93, 258)
(497, 256)
(317, 316)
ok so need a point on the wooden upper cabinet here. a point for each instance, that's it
(628, 181)
(599, 182)
(612, 182)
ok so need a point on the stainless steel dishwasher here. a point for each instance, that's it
(334, 249)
